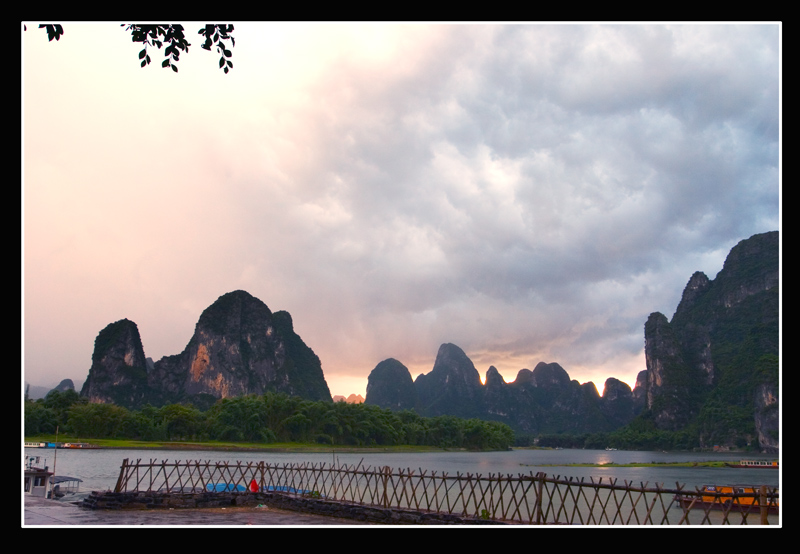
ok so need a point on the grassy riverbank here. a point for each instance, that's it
(230, 446)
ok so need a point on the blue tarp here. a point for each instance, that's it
(222, 487)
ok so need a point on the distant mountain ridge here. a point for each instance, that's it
(35, 392)
(712, 371)
(544, 400)
(352, 399)
(239, 347)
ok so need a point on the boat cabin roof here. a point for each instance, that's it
(63, 479)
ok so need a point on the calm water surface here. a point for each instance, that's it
(99, 468)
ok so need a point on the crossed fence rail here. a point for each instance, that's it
(525, 499)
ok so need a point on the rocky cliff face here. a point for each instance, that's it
(239, 347)
(544, 400)
(640, 391)
(767, 416)
(453, 387)
(389, 385)
(118, 374)
(618, 404)
(707, 365)
(672, 393)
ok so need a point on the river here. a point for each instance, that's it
(99, 468)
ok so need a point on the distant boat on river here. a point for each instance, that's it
(60, 445)
(756, 464)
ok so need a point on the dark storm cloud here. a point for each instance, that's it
(531, 179)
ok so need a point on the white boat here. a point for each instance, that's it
(37, 479)
(63, 485)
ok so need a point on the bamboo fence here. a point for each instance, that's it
(522, 499)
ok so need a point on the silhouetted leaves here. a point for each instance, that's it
(158, 35)
(170, 35)
(217, 34)
(53, 31)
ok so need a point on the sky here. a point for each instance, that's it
(530, 193)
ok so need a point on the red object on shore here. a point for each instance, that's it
(253, 486)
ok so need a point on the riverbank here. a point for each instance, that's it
(237, 447)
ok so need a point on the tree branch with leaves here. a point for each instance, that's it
(171, 36)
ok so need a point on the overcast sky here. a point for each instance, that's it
(530, 193)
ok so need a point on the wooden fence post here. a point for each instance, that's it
(762, 502)
(118, 486)
(385, 472)
(540, 477)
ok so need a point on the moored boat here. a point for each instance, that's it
(734, 498)
(37, 479)
(63, 485)
(51, 444)
(762, 464)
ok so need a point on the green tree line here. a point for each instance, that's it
(641, 434)
(268, 418)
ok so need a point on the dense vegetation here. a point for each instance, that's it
(269, 418)
(642, 434)
(637, 436)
